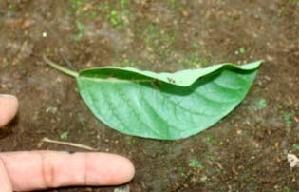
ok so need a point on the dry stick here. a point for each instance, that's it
(46, 140)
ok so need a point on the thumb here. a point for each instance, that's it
(8, 108)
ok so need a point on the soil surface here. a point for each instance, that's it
(246, 151)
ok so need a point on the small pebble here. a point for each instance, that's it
(45, 34)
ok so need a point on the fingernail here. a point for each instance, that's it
(7, 96)
(8, 108)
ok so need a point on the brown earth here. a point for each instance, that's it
(246, 151)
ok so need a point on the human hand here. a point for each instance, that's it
(30, 170)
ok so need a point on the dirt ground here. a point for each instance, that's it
(246, 151)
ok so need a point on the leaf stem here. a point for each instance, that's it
(60, 68)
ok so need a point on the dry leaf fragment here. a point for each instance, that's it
(293, 160)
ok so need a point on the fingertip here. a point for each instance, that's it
(129, 170)
(122, 170)
(109, 169)
(8, 108)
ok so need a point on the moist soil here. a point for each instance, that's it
(246, 151)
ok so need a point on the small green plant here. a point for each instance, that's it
(64, 135)
(195, 164)
(210, 139)
(288, 116)
(259, 104)
(123, 3)
(76, 5)
(262, 103)
(295, 146)
(115, 17)
(80, 31)
(287, 189)
(242, 50)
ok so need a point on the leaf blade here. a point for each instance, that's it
(132, 102)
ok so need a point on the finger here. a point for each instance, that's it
(44, 169)
(8, 108)
(4, 178)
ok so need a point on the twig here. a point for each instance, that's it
(46, 140)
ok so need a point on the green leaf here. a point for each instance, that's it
(64, 135)
(242, 50)
(195, 164)
(165, 106)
